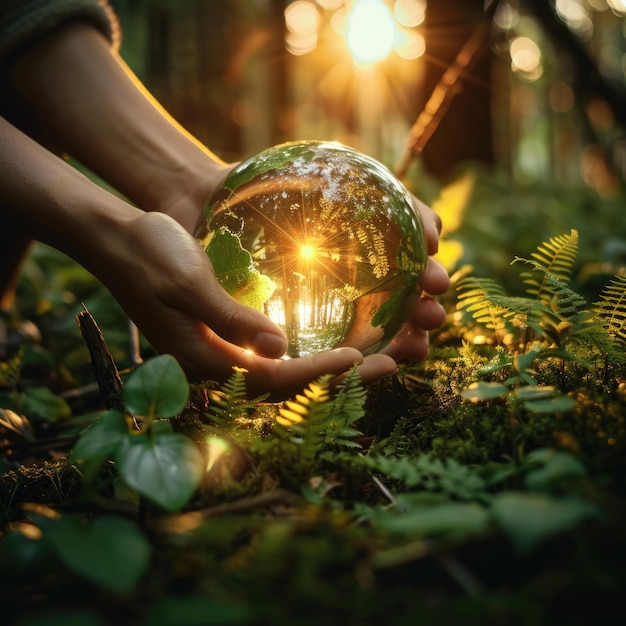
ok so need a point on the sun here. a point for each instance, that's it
(307, 252)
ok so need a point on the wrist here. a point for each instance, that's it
(182, 191)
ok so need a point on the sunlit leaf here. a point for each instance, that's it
(481, 391)
(158, 388)
(544, 399)
(109, 551)
(165, 468)
(523, 362)
(557, 404)
(16, 423)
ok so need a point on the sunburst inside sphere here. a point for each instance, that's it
(323, 239)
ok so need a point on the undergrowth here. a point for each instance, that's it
(485, 485)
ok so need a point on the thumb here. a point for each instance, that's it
(237, 323)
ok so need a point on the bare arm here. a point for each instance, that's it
(73, 93)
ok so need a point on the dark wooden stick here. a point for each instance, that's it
(102, 363)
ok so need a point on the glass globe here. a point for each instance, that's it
(321, 238)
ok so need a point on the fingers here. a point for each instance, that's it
(432, 226)
(435, 280)
(410, 344)
(373, 367)
(240, 325)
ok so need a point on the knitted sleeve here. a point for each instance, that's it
(23, 22)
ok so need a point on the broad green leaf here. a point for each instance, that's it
(102, 438)
(158, 388)
(544, 399)
(529, 518)
(531, 393)
(443, 519)
(164, 468)
(558, 404)
(560, 468)
(40, 401)
(523, 362)
(481, 391)
(110, 551)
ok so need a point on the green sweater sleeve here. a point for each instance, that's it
(23, 22)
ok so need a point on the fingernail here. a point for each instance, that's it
(269, 344)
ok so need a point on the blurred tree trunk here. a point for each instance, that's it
(188, 47)
(464, 133)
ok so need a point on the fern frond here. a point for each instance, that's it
(612, 309)
(556, 257)
(229, 402)
(564, 302)
(349, 403)
(347, 408)
(10, 370)
(477, 296)
(559, 254)
(306, 417)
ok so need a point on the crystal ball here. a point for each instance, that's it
(323, 239)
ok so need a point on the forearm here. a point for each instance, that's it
(43, 197)
(88, 103)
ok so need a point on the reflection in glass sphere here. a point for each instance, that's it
(322, 239)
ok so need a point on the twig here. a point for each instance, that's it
(381, 486)
(460, 574)
(446, 89)
(191, 520)
(102, 363)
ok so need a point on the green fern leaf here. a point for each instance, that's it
(557, 256)
(230, 402)
(477, 296)
(10, 370)
(612, 309)
(564, 303)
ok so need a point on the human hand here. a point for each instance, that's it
(164, 280)
(410, 344)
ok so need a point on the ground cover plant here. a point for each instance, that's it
(484, 486)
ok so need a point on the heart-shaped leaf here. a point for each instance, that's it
(165, 468)
(158, 388)
(481, 390)
(110, 551)
(102, 438)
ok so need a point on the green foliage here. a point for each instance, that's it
(461, 479)
(110, 551)
(164, 466)
(557, 315)
(612, 309)
(318, 423)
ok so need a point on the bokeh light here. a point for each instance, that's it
(302, 20)
(410, 13)
(526, 58)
